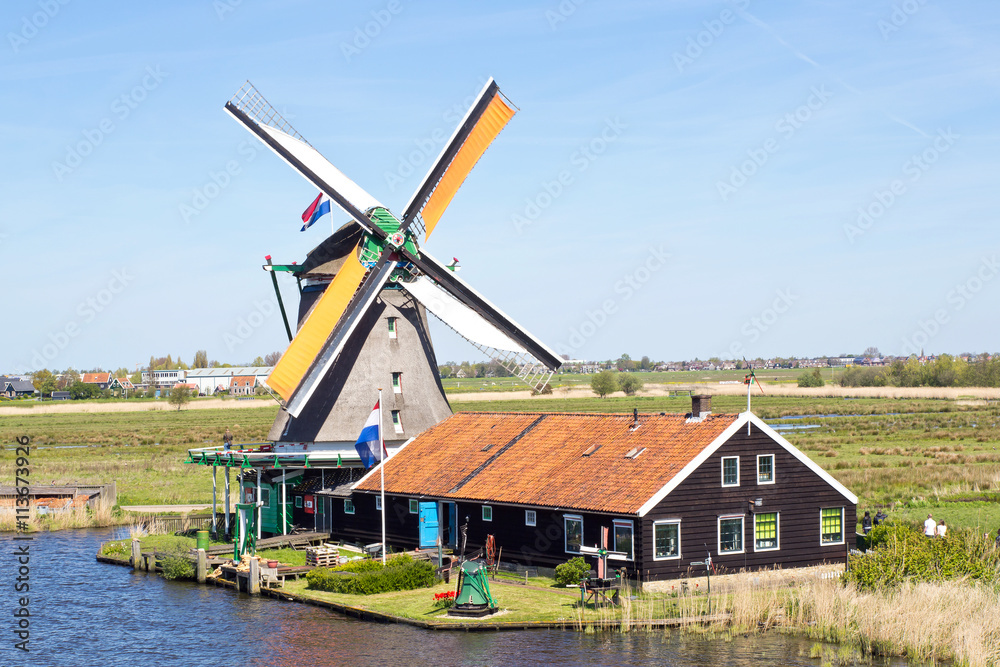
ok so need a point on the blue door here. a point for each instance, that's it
(428, 524)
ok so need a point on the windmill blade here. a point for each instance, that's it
(252, 111)
(484, 325)
(337, 334)
(480, 126)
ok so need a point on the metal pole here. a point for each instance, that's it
(382, 454)
(215, 521)
(281, 304)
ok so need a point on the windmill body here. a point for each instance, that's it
(367, 290)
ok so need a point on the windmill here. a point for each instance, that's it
(750, 380)
(374, 270)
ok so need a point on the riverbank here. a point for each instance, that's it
(926, 622)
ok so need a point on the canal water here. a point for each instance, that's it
(84, 613)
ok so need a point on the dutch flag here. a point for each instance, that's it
(316, 210)
(368, 442)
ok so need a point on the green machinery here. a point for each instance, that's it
(473, 597)
(246, 531)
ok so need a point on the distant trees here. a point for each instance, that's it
(200, 359)
(629, 383)
(44, 381)
(80, 390)
(271, 359)
(604, 383)
(872, 353)
(813, 379)
(257, 361)
(179, 395)
(444, 371)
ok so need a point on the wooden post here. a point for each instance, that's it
(136, 555)
(201, 569)
(253, 584)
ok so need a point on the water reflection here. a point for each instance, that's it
(88, 614)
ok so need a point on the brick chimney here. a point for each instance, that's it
(701, 406)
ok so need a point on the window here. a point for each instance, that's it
(348, 506)
(623, 537)
(397, 383)
(765, 469)
(831, 522)
(530, 518)
(573, 527)
(396, 422)
(487, 513)
(392, 327)
(666, 540)
(298, 502)
(414, 506)
(265, 495)
(730, 471)
(378, 503)
(765, 531)
(730, 534)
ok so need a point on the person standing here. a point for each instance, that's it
(227, 440)
(866, 523)
(941, 529)
(930, 526)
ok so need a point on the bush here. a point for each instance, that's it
(813, 379)
(176, 566)
(368, 577)
(604, 383)
(629, 383)
(444, 600)
(899, 553)
(572, 571)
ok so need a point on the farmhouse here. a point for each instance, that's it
(101, 379)
(671, 488)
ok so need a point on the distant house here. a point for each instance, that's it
(163, 378)
(122, 383)
(15, 387)
(213, 380)
(670, 489)
(243, 385)
(190, 385)
(102, 380)
(60, 396)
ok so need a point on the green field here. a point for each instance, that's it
(909, 455)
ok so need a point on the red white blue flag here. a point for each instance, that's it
(316, 210)
(368, 442)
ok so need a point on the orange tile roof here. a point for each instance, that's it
(95, 378)
(243, 381)
(538, 458)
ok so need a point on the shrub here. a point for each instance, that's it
(813, 379)
(119, 548)
(400, 573)
(444, 600)
(572, 571)
(629, 383)
(900, 552)
(176, 566)
(604, 383)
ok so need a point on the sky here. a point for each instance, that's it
(683, 179)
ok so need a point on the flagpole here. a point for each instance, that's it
(382, 457)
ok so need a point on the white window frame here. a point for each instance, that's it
(487, 513)
(298, 502)
(729, 458)
(630, 525)
(348, 506)
(397, 382)
(667, 522)
(392, 326)
(414, 506)
(397, 421)
(530, 518)
(378, 503)
(743, 534)
(777, 533)
(571, 517)
(773, 471)
(843, 528)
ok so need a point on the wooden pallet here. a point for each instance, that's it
(322, 556)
